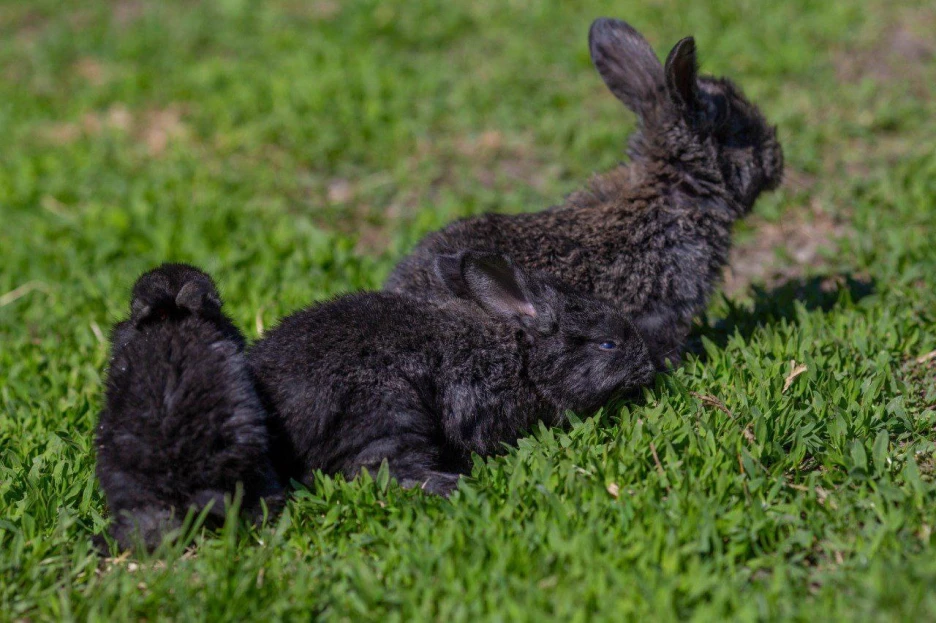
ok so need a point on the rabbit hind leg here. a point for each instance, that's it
(414, 461)
(438, 483)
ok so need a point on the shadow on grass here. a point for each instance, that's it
(773, 305)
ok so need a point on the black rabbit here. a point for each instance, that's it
(375, 376)
(651, 236)
(182, 424)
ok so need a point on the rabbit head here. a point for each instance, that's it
(173, 293)
(172, 289)
(692, 120)
(580, 350)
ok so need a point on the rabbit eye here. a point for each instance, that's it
(609, 345)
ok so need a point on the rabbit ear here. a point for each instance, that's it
(627, 64)
(489, 279)
(449, 270)
(172, 287)
(681, 70)
(197, 297)
(140, 309)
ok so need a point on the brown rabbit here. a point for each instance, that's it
(651, 236)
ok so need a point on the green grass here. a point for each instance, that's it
(297, 150)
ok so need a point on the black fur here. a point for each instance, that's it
(375, 376)
(182, 424)
(652, 236)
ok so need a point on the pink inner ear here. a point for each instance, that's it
(527, 310)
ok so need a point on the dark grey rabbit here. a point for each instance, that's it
(651, 236)
(380, 376)
(182, 424)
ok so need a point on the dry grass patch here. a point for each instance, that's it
(901, 52)
(154, 128)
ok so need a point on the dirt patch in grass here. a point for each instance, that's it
(24, 24)
(154, 128)
(920, 371)
(126, 12)
(898, 52)
(317, 10)
(370, 206)
(157, 127)
(93, 71)
(784, 250)
(501, 161)
(779, 251)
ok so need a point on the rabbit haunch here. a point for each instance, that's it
(182, 424)
(380, 376)
(651, 236)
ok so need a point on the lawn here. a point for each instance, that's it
(297, 150)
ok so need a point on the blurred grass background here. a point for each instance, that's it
(296, 150)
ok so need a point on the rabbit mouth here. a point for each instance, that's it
(631, 390)
(641, 378)
(649, 373)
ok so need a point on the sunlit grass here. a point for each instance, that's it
(297, 150)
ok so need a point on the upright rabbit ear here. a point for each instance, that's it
(681, 70)
(489, 279)
(627, 65)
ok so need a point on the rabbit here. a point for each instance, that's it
(182, 424)
(651, 236)
(379, 376)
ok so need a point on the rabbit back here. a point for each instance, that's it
(373, 375)
(657, 262)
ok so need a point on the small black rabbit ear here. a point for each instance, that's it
(489, 279)
(449, 270)
(142, 311)
(681, 70)
(194, 297)
(198, 297)
(627, 64)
